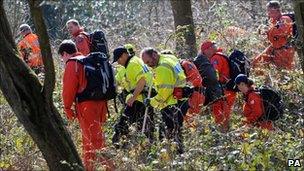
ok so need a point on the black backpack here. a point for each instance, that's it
(238, 64)
(273, 103)
(294, 25)
(100, 77)
(98, 42)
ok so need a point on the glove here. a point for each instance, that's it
(178, 93)
(70, 114)
(147, 101)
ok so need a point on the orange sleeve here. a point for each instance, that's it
(83, 44)
(192, 73)
(216, 63)
(70, 84)
(21, 47)
(253, 108)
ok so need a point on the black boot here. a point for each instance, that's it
(179, 139)
(115, 139)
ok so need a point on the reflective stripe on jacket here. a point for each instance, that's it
(167, 75)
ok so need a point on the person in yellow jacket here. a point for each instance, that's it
(29, 48)
(120, 78)
(136, 78)
(168, 74)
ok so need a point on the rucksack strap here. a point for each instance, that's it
(87, 35)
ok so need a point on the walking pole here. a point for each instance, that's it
(146, 110)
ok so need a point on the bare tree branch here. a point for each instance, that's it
(49, 82)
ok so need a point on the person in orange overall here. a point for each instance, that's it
(280, 52)
(253, 108)
(194, 79)
(221, 65)
(91, 114)
(29, 48)
(80, 37)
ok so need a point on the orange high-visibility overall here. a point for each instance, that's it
(90, 114)
(30, 50)
(253, 109)
(280, 52)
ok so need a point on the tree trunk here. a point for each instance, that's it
(299, 12)
(184, 28)
(32, 103)
(49, 82)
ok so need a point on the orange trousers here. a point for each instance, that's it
(91, 116)
(221, 109)
(262, 124)
(196, 101)
(230, 98)
(220, 112)
(282, 58)
(266, 125)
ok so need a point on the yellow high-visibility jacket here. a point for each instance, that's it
(120, 77)
(135, 70)
(167, 75)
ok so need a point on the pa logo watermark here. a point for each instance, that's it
(294, 163)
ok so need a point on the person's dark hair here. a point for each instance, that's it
(149, 51)
(67, 46)
(73, 21)
(249, 82)
(273, 4)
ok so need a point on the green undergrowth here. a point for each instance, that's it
(242, 148)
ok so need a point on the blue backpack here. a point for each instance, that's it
(100, 77)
